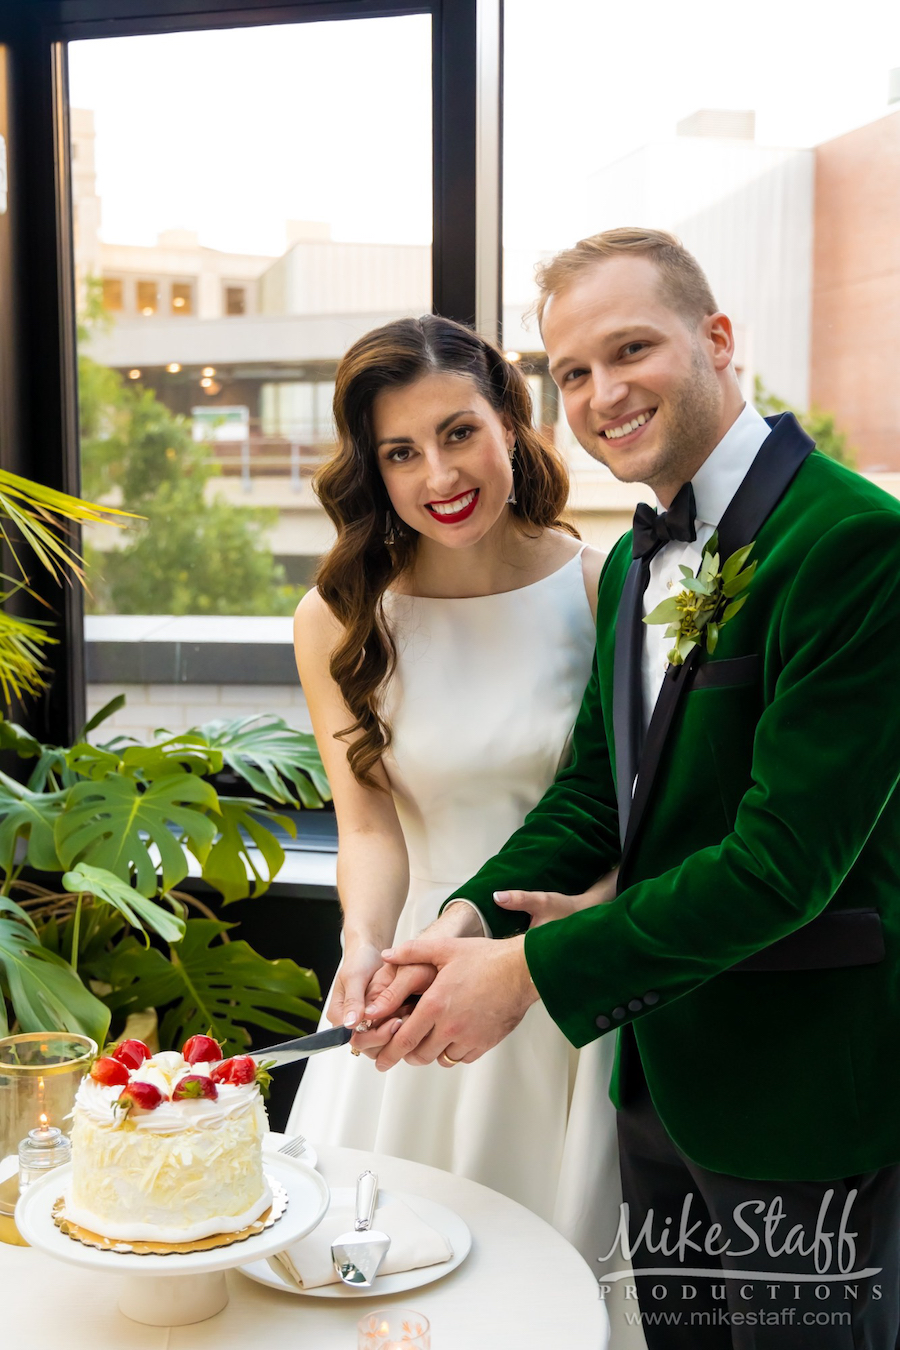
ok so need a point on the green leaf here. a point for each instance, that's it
(667, 611)
(106, 711)
(178, 754)
(113, 823)
(712, 637)
(699, 585)
(736, 562)
(223, 986)
(140, 912)
(740, 582)
(51, 763)
(45, 992)
(712, 545)
(709, 567)
(226, 868)
(733, 608)
(91, 761)
(272, 757)
(31, 816)
(14, 737)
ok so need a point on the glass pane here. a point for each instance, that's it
(228, 251)
(770, 147)
(182, 297)
(147, 297)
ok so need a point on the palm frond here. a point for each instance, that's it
(38, 512)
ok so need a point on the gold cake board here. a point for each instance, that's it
(136, 1248)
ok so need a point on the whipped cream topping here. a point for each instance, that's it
(164, 1071)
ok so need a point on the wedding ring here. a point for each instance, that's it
(354, 1051)
(444, 1058)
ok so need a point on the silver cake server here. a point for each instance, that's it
(358, 1255)
(286, 1052)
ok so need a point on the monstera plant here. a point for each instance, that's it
(116, 826)
(96, 840)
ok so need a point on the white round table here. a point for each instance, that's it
(522, 1287)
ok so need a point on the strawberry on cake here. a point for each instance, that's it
(168, 1147)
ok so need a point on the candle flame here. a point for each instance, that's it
(43, 1119)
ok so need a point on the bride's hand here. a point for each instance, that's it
(545, 906)
(349, 996)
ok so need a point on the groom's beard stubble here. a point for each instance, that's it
(690, 434)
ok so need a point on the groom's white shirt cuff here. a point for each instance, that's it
(460, 900)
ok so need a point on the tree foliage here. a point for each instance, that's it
(820, 425)
(193, 552)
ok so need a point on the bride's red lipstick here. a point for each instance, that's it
(454, 517)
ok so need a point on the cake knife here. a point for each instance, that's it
(286, 1052)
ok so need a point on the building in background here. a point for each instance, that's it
(746, 212)
(856, 289)
(800, 246)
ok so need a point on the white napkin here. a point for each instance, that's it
(414, 1243)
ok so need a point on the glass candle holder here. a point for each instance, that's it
(41, 1150)
(39, 1075)
(393, 1329)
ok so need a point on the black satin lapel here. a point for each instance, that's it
(627, 713)
(768, 478)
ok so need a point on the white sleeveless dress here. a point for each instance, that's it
(482, 705)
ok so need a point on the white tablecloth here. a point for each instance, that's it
(522, 1287)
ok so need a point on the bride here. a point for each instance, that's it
(444, 654)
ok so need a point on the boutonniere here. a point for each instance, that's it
(708, 601)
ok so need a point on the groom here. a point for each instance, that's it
(749, 961)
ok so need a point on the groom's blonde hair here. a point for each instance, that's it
(682, 280)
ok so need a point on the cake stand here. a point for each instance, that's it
(182, 1287)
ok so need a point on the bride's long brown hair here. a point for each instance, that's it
(373, 549)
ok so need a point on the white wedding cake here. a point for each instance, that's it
(168, 1148)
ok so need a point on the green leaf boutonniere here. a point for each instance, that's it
(709, 600)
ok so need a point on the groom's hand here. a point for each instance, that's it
(481, 993)
(393, 984)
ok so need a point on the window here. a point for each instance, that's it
(376, 107)
(235, 419)
(235, 300)
(298, 411)
(182, 301)
(147, 297)
(112, 294)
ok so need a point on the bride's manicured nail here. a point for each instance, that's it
(351, 1019)
(501, 897)
(371, 1009)
(387, 953)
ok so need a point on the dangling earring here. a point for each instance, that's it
(511, 499)
(388, 527)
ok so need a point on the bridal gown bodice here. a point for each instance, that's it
(482, 704)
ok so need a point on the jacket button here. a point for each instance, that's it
(651, 998)
(602, 1023)
(636, 1005)
(618, 1013)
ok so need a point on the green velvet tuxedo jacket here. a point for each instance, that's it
(754, 944)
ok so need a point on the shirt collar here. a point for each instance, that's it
(721, 474)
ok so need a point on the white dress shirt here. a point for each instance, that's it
(715, 483)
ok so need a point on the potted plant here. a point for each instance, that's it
(96, 841)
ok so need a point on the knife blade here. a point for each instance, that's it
(287, 1052)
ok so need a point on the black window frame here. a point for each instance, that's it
(38, 356)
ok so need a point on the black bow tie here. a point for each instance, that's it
(651, 529)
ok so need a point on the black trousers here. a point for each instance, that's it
(755, 1296)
